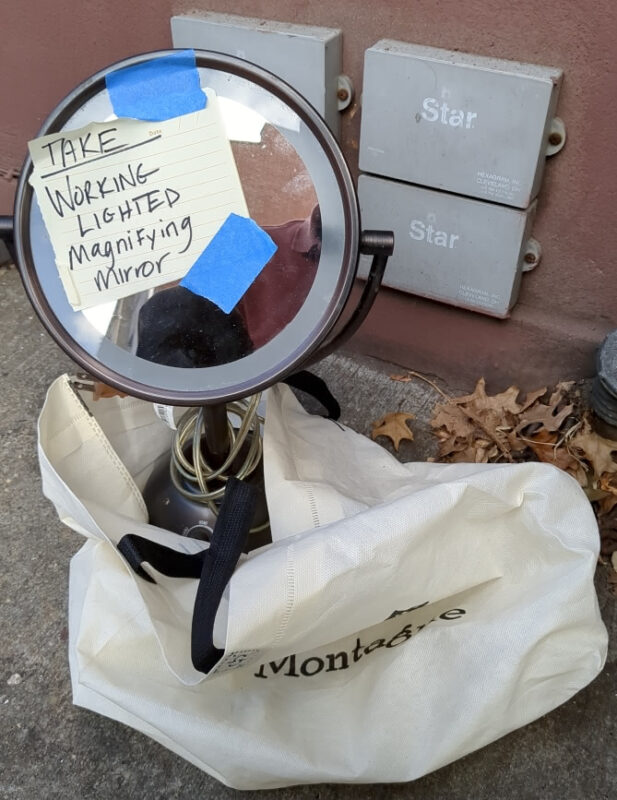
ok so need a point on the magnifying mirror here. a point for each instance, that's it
(166, 342)
(297, 188)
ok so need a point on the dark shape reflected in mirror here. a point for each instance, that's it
(177, 328)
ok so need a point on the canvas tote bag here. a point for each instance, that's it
(403, 616)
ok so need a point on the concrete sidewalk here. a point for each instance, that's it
(52, 750)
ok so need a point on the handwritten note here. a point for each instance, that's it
(131, 205)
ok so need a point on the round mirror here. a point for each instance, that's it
(164, 341)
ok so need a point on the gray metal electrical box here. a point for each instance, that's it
(467, 124)
(307, 57)
(466, 252)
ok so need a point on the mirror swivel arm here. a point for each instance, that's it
(6, 234)
(380, 245)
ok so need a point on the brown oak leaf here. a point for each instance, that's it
(481, 452)
(600, 452)
(543, 444)
(546, 416)
(453, 419)
(471, 417)
(608, 483)
(608, 487)
(551, 415)
(479, 401)
(531, 398)
(394, 426)
(498, 415)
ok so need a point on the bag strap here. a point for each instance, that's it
(137, 549)
(220, 559)
(312, 384)
(213, 566)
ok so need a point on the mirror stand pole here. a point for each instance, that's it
(216, 443)
(216, 435)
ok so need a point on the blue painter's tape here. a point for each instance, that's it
(230, 263)
(157, 90)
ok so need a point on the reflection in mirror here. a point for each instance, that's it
(278, 293)
(180, 329)
(171, 326)
(242, 124)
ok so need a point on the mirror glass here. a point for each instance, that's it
(166, 342)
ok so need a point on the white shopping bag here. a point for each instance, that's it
(404, 615)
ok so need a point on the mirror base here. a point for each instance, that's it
(171, 510)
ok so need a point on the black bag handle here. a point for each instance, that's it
(312, 384)
(213, 566)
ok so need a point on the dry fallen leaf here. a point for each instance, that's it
(532, 397)
(394, 426)
(513, 426)
(463, 422)
(543, 444)
(608, 487)
(596, 449)
(607, 483)
(452, 419)
(479, 401)
(547, 416)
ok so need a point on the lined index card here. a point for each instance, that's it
(131, 205)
